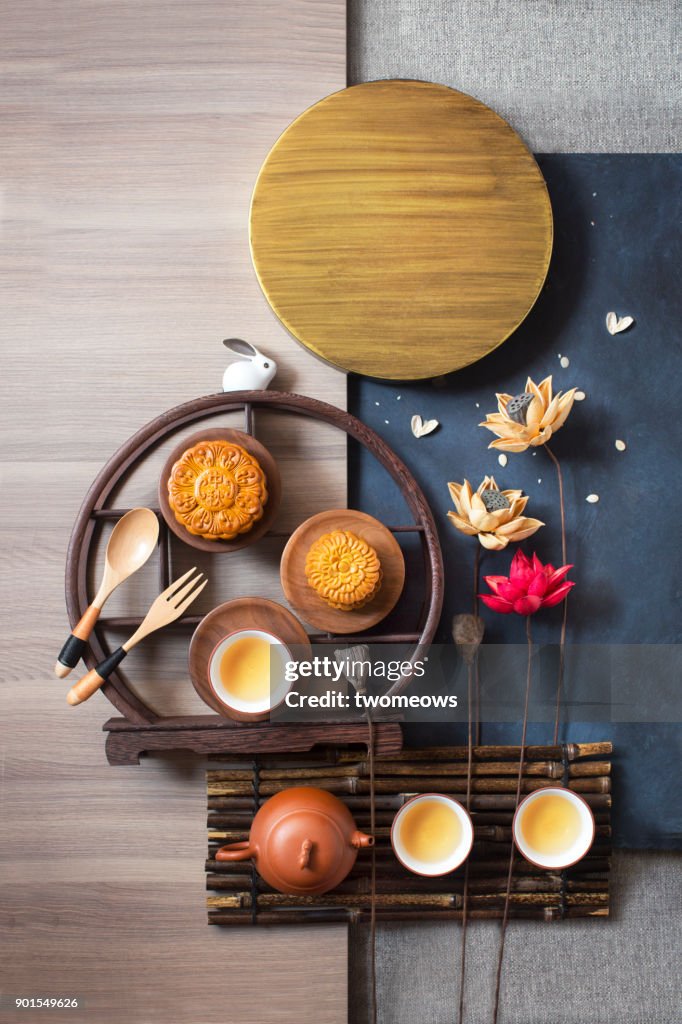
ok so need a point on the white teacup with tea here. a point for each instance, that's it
(553, 828)
(246, 672)
(432, 834)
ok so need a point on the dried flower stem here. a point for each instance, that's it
(522, 758)
(472, 674)
(373, 878)
(477, 717)
(564, 560)
(561, 502)
(465, 892)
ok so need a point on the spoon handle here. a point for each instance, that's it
(91, 682)
(74, 648)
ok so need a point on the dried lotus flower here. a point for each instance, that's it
(529, 418)
(494, 516)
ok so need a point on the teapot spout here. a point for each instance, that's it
(360, 839)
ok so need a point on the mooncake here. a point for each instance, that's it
(217, 490)
(344, 570)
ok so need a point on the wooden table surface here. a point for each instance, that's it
(132, 135)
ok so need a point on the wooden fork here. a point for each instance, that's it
(169, 606)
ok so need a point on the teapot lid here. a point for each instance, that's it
(305, 848)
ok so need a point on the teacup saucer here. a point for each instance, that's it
(309, 605)
(244, 613)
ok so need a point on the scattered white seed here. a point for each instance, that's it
(420, 428)
(534, 453)
(376, 403)
(615, 324)
(565, 362)
(478, 405)
(592, 223)
(385, 421)
(621, 446)
(593, 194)
(502, 459)
(592, 498)
(539, 479)
(398, 397)
(580, 396)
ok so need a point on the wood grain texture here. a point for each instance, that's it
(132, 134)
(400, 229)
(309, 604)
(207, 734)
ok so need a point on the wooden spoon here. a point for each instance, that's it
(131, 543)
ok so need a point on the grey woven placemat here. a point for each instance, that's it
(583, 77)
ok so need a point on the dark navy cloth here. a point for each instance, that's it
(616, 248)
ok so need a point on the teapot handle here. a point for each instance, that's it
(235, 851)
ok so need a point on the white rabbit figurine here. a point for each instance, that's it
(254, 373)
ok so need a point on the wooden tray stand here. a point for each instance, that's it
(239, 896)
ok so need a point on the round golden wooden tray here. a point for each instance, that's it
(400, 229)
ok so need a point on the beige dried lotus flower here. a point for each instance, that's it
(529, 418)
(492, 515)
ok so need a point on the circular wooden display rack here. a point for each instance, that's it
(142, 729)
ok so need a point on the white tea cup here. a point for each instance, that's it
(432, 834)
(553, 827)
(232, 679)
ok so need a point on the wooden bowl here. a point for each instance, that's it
(309, 605)
(244, 613)
(274, 485)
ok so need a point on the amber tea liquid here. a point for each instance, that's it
(429, 831)
(551, 825)
(245, 669)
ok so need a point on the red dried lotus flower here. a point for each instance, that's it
(529, 586)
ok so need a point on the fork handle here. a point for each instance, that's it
(75, 646)
(91, 682)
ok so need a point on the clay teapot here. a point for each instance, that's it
(303, 842)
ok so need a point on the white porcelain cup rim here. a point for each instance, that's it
(458, 855)
(573, 853)
(223, 694)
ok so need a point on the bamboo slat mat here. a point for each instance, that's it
(238, 896)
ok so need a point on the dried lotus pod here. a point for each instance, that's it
(467, 632)
(355, 663)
